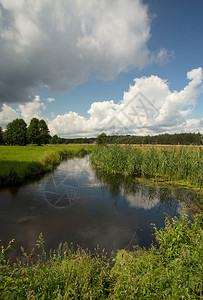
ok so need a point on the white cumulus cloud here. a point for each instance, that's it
(50, 100)
(58, 44)
(7, 115)
(31, 109)
(148, 107)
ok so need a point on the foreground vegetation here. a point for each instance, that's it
(18, 163)
(170, 270)
(178, 165)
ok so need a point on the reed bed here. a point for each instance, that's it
(179, 165)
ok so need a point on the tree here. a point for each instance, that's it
(55, 140)
(44, 132)
(38, 132)
(16, 133)
(102, 139)
(33, 132)
(1, 136)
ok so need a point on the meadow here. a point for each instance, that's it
(170, 270)
(20, 163)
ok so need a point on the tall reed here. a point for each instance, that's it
(173, 165)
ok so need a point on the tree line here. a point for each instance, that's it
(18, 133)
(161, 139)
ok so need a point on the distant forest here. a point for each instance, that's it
(162, 139)
(18, 133)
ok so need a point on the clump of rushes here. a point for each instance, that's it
(171, 270)
(170, 165)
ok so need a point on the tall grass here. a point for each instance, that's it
(173, 165)
(19, 163)
(172, 270)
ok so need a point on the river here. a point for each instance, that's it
(83, 206)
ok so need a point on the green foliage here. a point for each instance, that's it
(101, 139)
(16, 133)
(1, 136)
(55, 140)
(172, 270)
(161, 139)
(33, 132)
(65, 275)
(78, 141)
(169, 165)
(44, 132)
(38, 132)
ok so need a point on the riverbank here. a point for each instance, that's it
(170, 270)
(21, 163)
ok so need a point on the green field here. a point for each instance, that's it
(171, 270)
(18, 163)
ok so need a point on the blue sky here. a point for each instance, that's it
(83, 58)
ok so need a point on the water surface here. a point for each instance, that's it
(79, 204)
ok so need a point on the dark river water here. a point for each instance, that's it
(83, 206)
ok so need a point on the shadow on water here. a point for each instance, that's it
(86, 207)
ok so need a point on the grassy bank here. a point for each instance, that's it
(171, 270)
(19, 163)
(176, 165)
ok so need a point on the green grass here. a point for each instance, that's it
(170, 270)
(19, 163)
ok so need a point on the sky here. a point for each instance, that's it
(114, 66)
